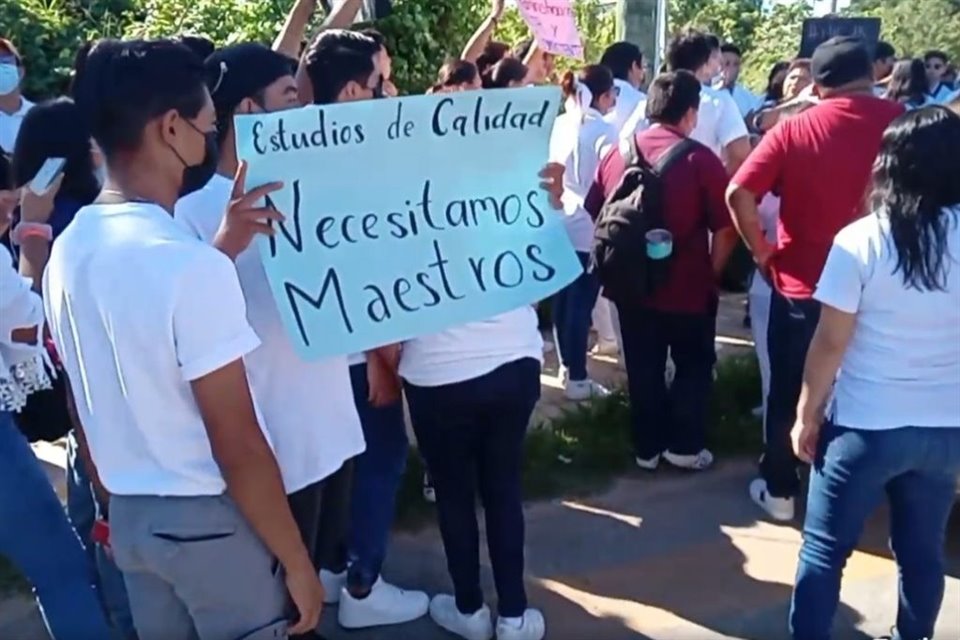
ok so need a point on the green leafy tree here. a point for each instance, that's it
(915, 26)
(48, 33)
(776, 38)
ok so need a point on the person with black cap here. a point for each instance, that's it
(151, 327)
(312, 441)
(819, 161)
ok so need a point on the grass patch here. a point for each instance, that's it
(589, 445)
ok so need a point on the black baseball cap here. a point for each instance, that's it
(240, 71)
(841, 60)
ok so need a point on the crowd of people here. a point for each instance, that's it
(215, 498)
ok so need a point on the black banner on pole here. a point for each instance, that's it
(816, 31)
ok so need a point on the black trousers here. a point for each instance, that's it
(663, 419)
(322, 513)
(791, 328)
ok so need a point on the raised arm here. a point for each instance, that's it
(478, 41)
(294, 28)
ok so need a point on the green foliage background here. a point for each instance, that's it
(422, 33)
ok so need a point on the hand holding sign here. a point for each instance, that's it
(377, 249)
(244, 220)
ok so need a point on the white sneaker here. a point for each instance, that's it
(332, 583)
(479, 626)
(696, 462)
(650, 464)
(385, 605)
(531, 626)
(578, 390)
(780, 509)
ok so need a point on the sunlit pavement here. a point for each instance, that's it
(664, 556)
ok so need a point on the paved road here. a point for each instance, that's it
(662, 557)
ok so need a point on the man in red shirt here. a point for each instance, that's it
(819, 162)
(680, 316)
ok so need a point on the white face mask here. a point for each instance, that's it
(9, 78)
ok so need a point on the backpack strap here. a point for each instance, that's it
(677, 152)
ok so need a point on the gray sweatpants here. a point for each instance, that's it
(195, 570)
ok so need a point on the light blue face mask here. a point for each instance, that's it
(101, 174)
(9, 78)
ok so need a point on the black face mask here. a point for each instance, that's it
(196, 177)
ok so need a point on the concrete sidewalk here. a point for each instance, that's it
(665, 556)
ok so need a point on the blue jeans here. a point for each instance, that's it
(790, 331)
(36, 536)
(377, 474)
(916, 469)
(471, 434)
(673, 419)
(572, 310)
(83, 511)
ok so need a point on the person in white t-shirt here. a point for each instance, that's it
(746, 101)
(580, 138)
(887, 349)
(13, 106)
(313, 442)
(342, 66)
(151, 327)
(720, 127)
(471, 392)
(625, 61)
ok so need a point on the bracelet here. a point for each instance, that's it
(26, 230)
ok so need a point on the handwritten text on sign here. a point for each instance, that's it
(408, 216)
(554, 26)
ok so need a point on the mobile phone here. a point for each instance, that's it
(52, 167)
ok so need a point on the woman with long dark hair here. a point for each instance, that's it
(509, 73)
(774, 90)
(581, 137)
(908, 84)
(890, 325)
(56, 129)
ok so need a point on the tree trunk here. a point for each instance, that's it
(637, 23)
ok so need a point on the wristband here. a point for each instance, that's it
(26, 230)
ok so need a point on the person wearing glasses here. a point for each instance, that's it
(936, 64)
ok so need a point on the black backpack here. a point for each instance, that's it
(619, 254)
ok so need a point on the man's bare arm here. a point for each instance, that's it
(249, 468)
(735, 153)
(746, 218)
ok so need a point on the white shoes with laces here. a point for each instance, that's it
(384, 605)
(479, 626)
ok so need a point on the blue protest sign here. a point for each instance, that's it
(407, 216)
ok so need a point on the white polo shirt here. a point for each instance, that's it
(718, 120)
(10, 125)
(579, 142)
(308, 407)
(138, 309)
(745, 100)
(627, 100)
(902, 366)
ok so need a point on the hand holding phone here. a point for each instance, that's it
(49, 171)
